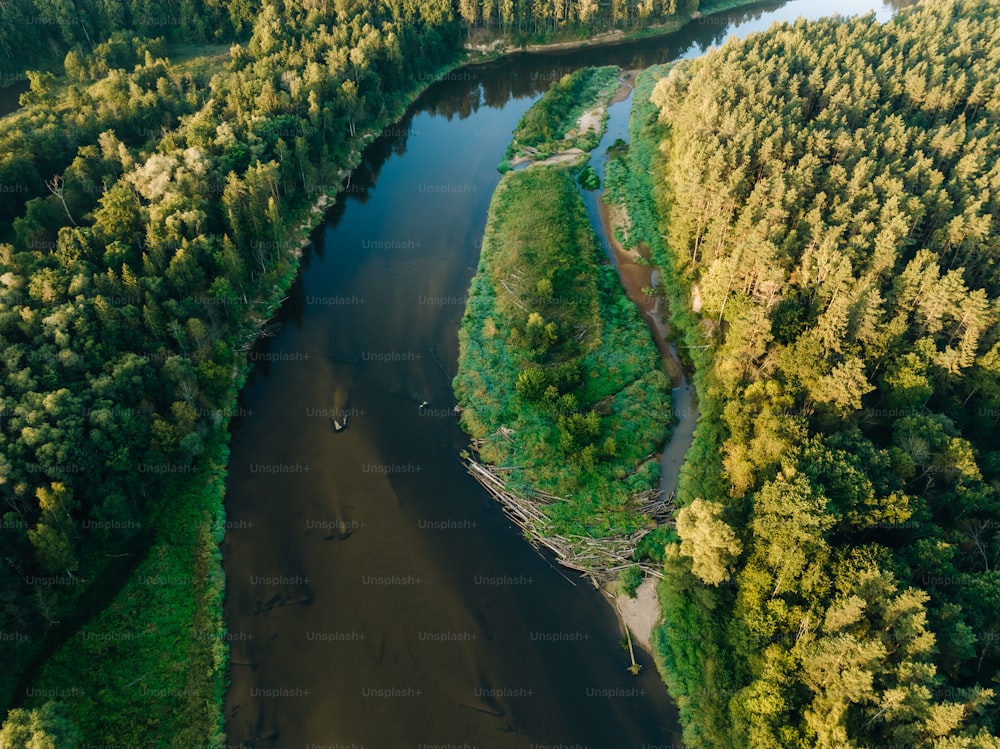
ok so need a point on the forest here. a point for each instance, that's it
(36, 33)
(823, 199)
(539, 19)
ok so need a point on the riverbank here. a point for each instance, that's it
(637, 276)
(592, 121)
(489, 49)
(640, 614)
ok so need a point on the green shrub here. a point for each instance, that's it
(589, 179)
(630, 579)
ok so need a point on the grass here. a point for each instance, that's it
(151, 667)
(199, 61)
(552, 349)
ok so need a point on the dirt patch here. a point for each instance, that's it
(624, 88)
(563, 157)
(590, 121)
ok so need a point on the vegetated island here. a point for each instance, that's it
(561, 386)
(567, 122)
(822, 201)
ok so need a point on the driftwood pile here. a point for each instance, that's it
(599, 559)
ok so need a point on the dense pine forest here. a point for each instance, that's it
(829, 194)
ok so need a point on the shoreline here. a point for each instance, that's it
(495, 49)
(640, 615)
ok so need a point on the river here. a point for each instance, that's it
(376, 596)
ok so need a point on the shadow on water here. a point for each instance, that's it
(10, 95)
(376, 596)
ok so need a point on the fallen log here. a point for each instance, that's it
(596, 558)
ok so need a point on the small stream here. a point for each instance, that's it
(635, 276)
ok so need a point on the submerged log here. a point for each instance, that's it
(338, 414)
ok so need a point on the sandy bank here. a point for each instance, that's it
(640, 614)
(562, 157)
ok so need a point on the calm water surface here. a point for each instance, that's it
(10, 94)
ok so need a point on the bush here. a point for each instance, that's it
(630, 579)
(589, 179)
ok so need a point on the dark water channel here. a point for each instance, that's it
(376, 596)
(10, 93)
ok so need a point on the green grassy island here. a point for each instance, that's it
(561, 385)
(567, 120)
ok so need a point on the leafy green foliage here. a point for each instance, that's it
(40, 728)
(589, 179)
(630, 578)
